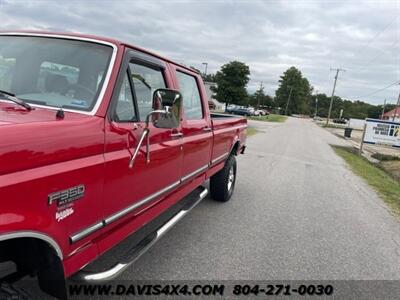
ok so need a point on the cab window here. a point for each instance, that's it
(125, 110)
(145, 81)
(191, 96)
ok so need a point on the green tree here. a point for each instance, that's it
(351, 109)
(292, 79)
(231, 83)
(209, 77)
(259, 98)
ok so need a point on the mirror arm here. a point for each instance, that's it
(147, 147)
(144, 134)
(158, 111)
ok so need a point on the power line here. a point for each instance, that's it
(366, 45)
(367, 63)
(378, 34)
(379, 90)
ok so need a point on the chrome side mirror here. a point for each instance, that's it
(166, 113)
(167, 105)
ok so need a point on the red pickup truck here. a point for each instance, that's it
(101, 143)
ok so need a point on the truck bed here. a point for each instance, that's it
(224, 116)
(228, 131)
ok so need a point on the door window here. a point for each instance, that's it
(191, 96)
(145, 81)
(125, 110)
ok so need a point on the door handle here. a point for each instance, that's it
(207, 128)
(177, 134)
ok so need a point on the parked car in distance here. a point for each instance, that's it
(260, 112)
(239, 110)
(266, 112)
(104, 145)
(340, 121)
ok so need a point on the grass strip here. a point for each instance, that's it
(269, 118)
(386, 186)
(251, 131)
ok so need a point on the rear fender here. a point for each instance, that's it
(35, 254)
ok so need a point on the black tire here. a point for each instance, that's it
(222, 184)
(7, 291)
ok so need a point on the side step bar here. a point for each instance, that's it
(139, 249)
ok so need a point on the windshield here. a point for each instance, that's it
(53, 72)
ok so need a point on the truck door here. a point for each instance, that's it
(130, 191)
(196, 126)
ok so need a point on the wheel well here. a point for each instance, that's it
(235, 148)
(34, 257)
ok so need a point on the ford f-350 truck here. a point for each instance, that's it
(102, 143)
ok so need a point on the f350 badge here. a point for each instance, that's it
(67, 196)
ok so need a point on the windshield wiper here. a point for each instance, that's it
(13, 98)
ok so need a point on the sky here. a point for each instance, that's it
(361, 37)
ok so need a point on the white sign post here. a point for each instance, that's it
(381, 132)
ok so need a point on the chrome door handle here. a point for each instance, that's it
(207, 128)
(177, 134)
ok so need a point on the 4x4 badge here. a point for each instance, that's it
(67, 196)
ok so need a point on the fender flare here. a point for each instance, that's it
(33, 234)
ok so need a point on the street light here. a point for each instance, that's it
(205, 70)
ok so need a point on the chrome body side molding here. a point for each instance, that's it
(91, 229)
(190, 175)
(148, 242)
(87, 231)
(219, 158)
(142, 202)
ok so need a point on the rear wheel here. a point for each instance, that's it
(222, 184)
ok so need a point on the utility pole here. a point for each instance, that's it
(383, 109)
(288, 100)
(333, 93)
(258, 97)
(397, 107)
(205, 70)
(316, 103)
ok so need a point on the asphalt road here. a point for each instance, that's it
(297, 212)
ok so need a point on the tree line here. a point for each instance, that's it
(293, 96)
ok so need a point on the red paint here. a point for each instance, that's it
(40, 154)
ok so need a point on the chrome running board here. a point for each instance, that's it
(137, 251)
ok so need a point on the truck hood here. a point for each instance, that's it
(30, 139)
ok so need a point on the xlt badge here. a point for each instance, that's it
(67, 196)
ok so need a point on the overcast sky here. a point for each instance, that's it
(269, 36)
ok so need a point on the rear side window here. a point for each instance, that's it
(145, 81)
(191, 96)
